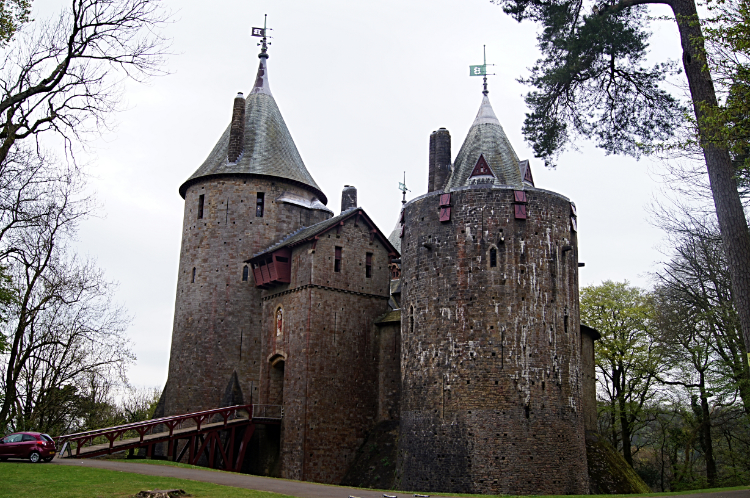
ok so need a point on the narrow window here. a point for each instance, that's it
(245, 273)
(368, 265)
(411, 319)
(337, 260)
(259, 205)
(193, 280)
(493, 257)
(201, 200)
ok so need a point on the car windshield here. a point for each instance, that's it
(47, 437)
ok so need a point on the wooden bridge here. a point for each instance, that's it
(200, 432)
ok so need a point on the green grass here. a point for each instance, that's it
(24, 479)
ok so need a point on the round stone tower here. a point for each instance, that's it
(251, 191)
(490, 358)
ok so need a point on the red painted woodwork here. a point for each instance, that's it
(197, 428)
(520, 211)
(519, 195)
(445, 213)
(445, 199)
(481, 168)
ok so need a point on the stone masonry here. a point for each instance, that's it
(321, 364)
(217, 314)
(490, 356)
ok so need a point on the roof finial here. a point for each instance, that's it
(402, 188)
(482, 71)
(264, 43)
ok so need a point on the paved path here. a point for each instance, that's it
(293, 488)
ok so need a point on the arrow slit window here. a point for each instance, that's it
(260, 204)
(337, 260)
(368, 265)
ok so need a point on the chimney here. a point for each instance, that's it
(348, 198)
(237, 129)
(440, 160)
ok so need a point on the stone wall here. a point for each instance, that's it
(588, 371)
(217, 315)
(491, 360)
(329, 382)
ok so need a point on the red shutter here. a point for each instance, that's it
(445, 199)
(264, 274)
(520, 211)
(519, 195)
(445, 214)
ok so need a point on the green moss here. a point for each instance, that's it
(609, 473)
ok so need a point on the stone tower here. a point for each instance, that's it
(251, 191)
(491, 350)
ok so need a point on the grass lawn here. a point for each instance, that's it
(25, 479)
(408, 494)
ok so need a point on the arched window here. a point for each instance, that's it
(493, 257)
(279, 322)
(245, 273)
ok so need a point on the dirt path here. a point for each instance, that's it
(293, 488)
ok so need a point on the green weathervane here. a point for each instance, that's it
(481, 70)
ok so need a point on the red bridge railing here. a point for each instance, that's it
(146, 427)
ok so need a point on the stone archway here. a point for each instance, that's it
(276, 380)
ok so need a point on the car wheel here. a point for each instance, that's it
(48, 459)
(34, 457)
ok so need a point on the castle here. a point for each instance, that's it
(462, 325)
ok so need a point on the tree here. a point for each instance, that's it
(626, 357)
(685, 339)
(592, 83)
(65, 338)
(696, 280)
(13, 14)
(65, 76)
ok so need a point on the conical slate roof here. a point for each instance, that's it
(487, 139)
(268, 148)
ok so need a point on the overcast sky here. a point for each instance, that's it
(360, 85)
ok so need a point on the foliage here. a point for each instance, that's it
(593, 81)
(627, 359)
(727, 35)
(13, 14)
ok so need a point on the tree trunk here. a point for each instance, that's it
(705, 435)
(721, 173)
(624, 423)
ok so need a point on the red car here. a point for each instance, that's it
(27, 445)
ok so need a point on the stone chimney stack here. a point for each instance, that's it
(348, 198)
(237, 129)
(440, 159)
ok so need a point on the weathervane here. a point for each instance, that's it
(402, 188)
(481, 70)
(263, 33)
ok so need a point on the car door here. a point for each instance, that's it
(28, 444)
(13, 445)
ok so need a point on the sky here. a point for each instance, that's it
(361, 85)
